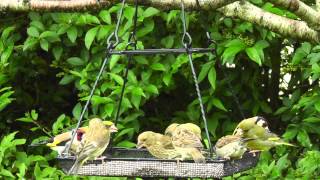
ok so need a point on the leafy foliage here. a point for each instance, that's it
(49, 61)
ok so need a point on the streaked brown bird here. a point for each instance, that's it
(231, 147)
(186, 139)
(158, 145)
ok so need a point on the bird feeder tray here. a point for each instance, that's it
(140, 163)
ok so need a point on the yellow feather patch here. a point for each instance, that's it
(274, 139)
(107, 123)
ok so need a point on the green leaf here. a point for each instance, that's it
(204, 70)
(72, 33)
(6, 32)
(147, 28)
(103, 32)
(254, 55)
(126, 144)
(105, 16)
(38, 25)
(117, 78)
(44, 44)
(108, 109)
(312, 119)
(50, 36)
(151, 88)
(167, 79)
(58, 124)
(113, 61)
(6, 54)
(66, 79)
(90, 35)
(303, 138)
(77, 111)
(217, 103)
(37, 171)
(76, 61)
(138, 91)
(33, 32)
(158, 67)
(212, 77)
(6, 173)
(150, 11)
(57, 52)
(34, 115)
(30, 43)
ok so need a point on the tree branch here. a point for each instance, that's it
(318, 5)
(305, 12)
(243, 10)
(278, 24)
(49, 5)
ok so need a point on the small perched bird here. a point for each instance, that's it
(59, 144)
(231, 147)
(158, 145)
(250, 123)
(94, 143)
(186, 138)
(255, 128)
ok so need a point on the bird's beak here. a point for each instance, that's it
(113, 128)
(51, 145)
(140, 145)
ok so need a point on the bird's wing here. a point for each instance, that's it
(226, 140)
(186, 139)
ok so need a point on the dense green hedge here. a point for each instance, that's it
(49, 62)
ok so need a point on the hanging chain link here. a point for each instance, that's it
(110, 46)
(187, 44)
(211, 41)
(132, 42)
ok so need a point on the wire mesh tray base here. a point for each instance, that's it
(139, 163)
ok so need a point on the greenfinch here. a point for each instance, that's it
(257, 129)
(158, 145)
(231, 147)
(250, 123)
(94, 142)
(186, 139)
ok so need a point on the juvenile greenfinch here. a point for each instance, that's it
(186, 139)
(231, 147)
(157, 144)
(94, 142)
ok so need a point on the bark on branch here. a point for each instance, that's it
(284, 26)
(244, 10)
(305, 12)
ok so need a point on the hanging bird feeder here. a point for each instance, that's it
(139, 162)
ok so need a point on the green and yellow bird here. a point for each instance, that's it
(94, 143)
(186, 139)
(59, 142)
(158, 145)
(264, 139)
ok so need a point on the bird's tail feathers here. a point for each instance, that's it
(279, 141)
(197, 156)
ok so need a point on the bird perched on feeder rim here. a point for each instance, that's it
(231, 147)
(94, 143)
(58, 143)
(158, 145)
(186, 138)
(263, 138)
